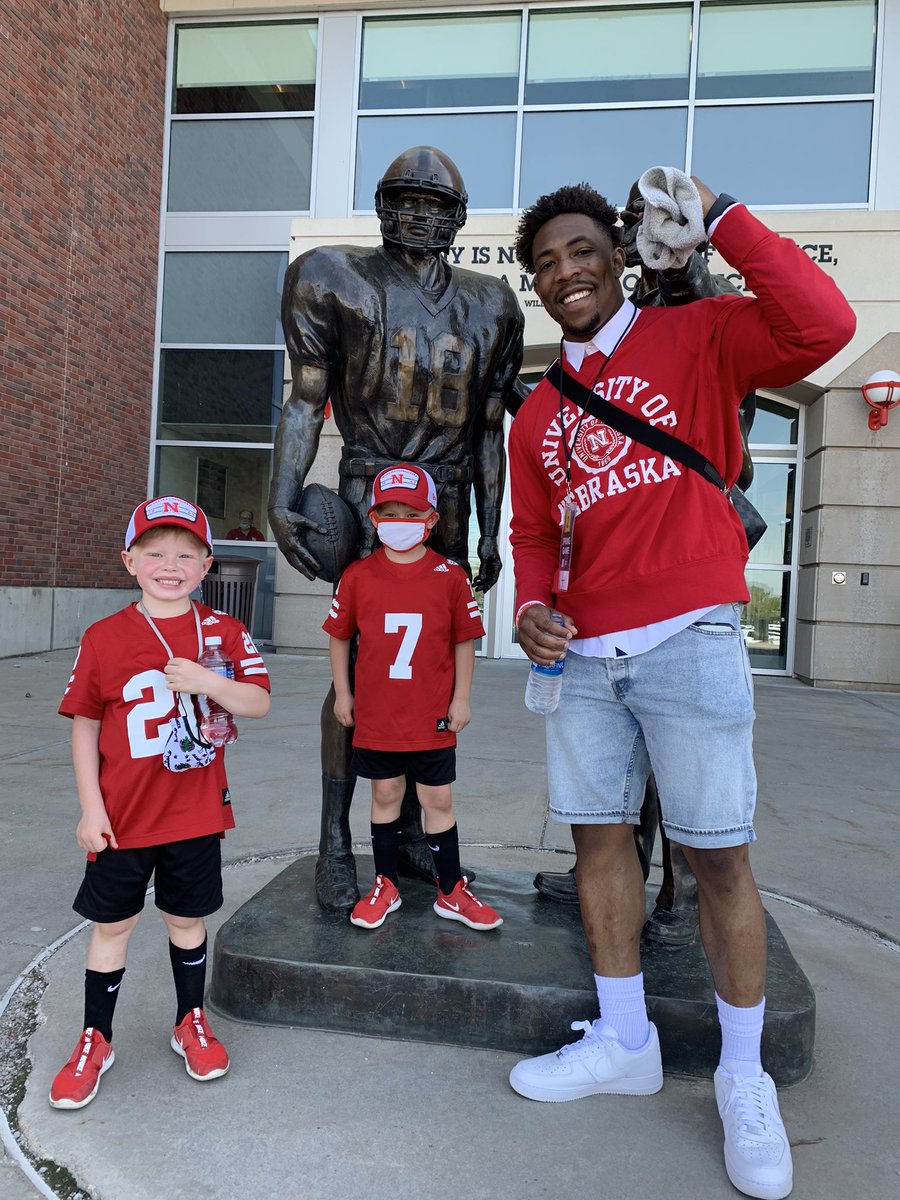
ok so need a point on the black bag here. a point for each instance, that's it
(751, 517)
(658, 439)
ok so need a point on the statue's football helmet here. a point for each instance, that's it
(429, 172)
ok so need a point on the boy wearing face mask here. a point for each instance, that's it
(417, 620)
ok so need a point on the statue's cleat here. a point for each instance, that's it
(557, 885)
(414, 860)
(668, 930)
(336, 886)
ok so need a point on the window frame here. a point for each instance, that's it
(692, 103)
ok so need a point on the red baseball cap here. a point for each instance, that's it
(405, 484)
(168, 510)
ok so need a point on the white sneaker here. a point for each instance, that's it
(597, 1065)
(757, 1151)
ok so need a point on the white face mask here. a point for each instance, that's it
(245, 526)
(401, 535)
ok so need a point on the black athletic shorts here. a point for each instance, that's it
(187, 878)
(434, 768)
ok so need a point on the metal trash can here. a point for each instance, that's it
(230, 586)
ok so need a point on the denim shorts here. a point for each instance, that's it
(683, 710)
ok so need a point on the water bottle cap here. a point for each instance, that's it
(213, 641)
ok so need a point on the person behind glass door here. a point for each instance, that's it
(245, 531)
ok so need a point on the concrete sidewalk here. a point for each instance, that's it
(306, 1114)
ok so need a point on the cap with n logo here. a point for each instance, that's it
(168, 510)
(406, 484)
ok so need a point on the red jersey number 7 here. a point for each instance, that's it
(411, 624)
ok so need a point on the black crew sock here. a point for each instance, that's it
(101, 991)
(189, 972)
(445, 850)
(384, 849)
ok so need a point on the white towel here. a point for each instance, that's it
(672, 227)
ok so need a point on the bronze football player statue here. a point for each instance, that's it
(419, 360)
(673, 922)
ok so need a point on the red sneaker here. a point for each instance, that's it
(204, 1055)
(370, 912)
(461, 905)
(76, 1084)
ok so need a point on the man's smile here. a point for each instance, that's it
(574, 297)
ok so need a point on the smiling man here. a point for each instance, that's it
(657, 676)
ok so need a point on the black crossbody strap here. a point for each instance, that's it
(633, 427)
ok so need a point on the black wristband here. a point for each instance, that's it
(721, 202)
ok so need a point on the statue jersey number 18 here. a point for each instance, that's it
(411, 371)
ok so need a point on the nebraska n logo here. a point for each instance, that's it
(399, 477)
(599, 447)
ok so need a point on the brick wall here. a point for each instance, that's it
(82, 87)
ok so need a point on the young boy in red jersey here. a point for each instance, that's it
(417, 620)
(138, 817)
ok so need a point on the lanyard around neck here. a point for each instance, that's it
(168, 648)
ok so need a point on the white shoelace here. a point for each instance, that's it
(589, 1030)
(751, 1106)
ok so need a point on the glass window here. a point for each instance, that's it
(609, 149)
(592, 55)
(772, 492)
(223, 298)
(774, 424)
(235, 166)
(269, 67)
(765, 620)
(440, 62)
(223, 481)
(798, 49)
(483, 146)
(220, 395)
(786, 153)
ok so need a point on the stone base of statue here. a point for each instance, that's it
(281, 960)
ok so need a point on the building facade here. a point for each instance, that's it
(261, 130)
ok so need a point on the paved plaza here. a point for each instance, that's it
(311, 1115)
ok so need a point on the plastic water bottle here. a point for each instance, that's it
(545, 684)
(218, 725)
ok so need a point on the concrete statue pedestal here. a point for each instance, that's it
(281, 960)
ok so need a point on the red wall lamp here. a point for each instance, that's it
(881, 392)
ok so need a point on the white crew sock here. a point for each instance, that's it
(741, 1036)
(623, 1009)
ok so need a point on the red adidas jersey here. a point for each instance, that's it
(409, 618)
(118, 680)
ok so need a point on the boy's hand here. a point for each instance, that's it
(185, 675)
(94, 833)
(343, 710)
(460, 715)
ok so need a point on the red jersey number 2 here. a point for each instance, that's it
(411, 624)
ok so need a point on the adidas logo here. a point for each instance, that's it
(442, 567)
(210, 621)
